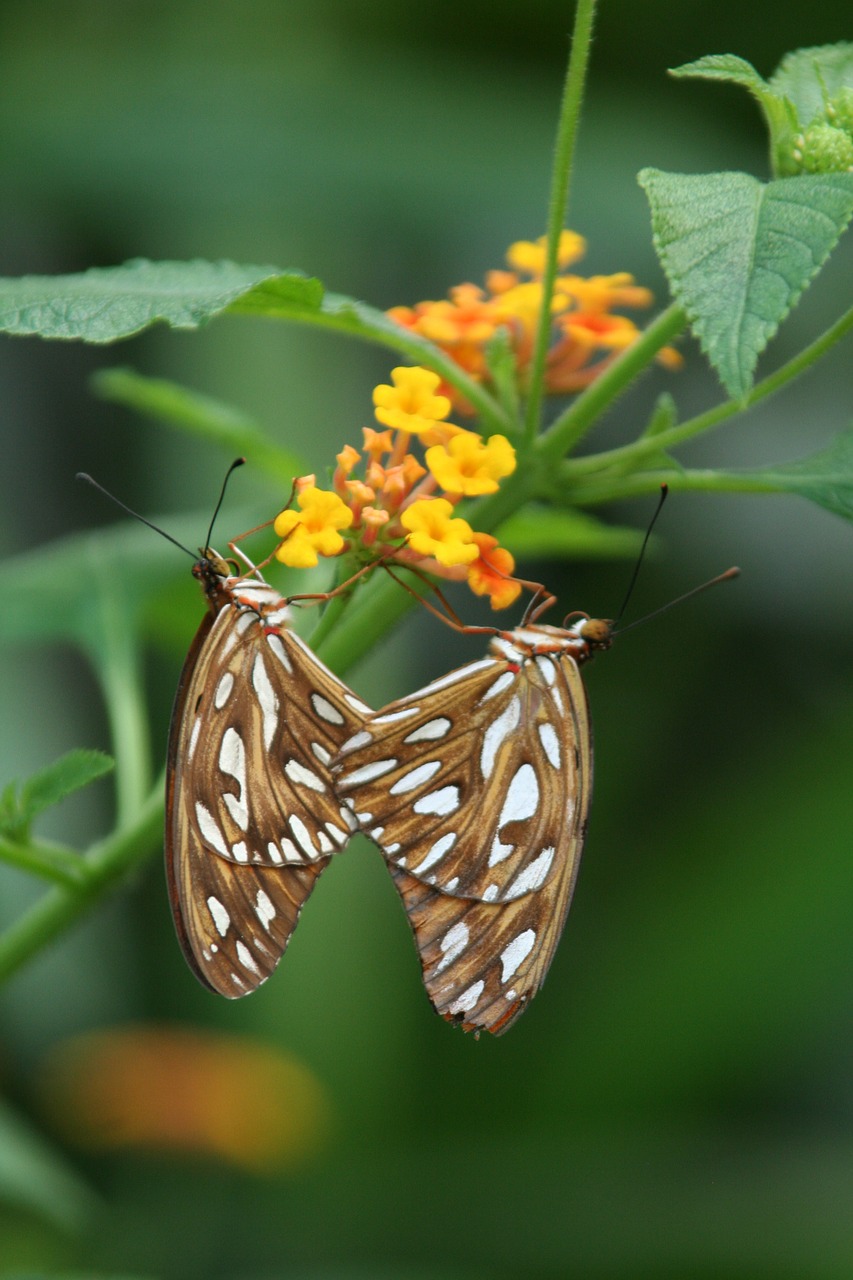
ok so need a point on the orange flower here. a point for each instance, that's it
(491, 573)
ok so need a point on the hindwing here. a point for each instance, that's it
(252, 816)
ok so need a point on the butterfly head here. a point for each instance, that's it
(212, 571)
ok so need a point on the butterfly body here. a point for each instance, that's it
(252, 817)
(477, 789)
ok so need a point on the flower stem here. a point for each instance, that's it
(571, 426)
(564, 149)
(103, 865)
(632, 454)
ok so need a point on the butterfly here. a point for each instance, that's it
(252, 818)
(477, 790)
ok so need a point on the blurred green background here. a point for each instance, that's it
(678, 1101)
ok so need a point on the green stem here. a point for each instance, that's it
(564, 149)
(632, 486)
(632, 454)
(105, 864)
(570, 427)
(50, 861)
(118, 665)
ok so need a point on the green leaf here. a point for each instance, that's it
(19, 805)
(664, 416)
(738, 254)
(360, 320)
(544, 533)
(503, 369)
(66, 775)
(199, 415)
(825, 477)
(798, 95)
(808, 77)
(724, 66)
(35, 1177)
(104, 304)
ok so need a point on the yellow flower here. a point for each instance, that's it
(411, 404)
(313, 530)
(529, 256)
(469, 466)
(433, 532)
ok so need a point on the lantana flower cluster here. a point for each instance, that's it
(385, 503)
(587, 336)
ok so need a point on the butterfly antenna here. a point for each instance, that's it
(712, 582)
(82, 475)
(664, 491)
(238, 462)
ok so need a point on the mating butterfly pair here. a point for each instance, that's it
(476, 789)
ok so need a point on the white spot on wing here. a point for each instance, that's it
(461, 673)
(452, 945)
(435, 853)
(522, 797)
(209, 830)
(517, 951)
(550, 743)
(290, 851)
(298, 773)
(429, 732)
(219, 916)
(325, 710)
(415, 777)
(232, 760)
(321, 753)
(468, 999)
(357, 704)
(246, 958)
(302, 834)
(393, 716)
(441, 802)
(223, 690)
(193, 739)
(548, 667)
(239, 852)
(367, 773)
(280, 652)
(264, 909)
(267, 699)
(496, 734)
(503, 682)
(533, 875)
(357, 740)
(274, 852)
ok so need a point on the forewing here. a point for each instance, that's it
(474, 783)
(261, 720)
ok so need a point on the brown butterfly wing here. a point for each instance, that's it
(252, 816)
(486, 884)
